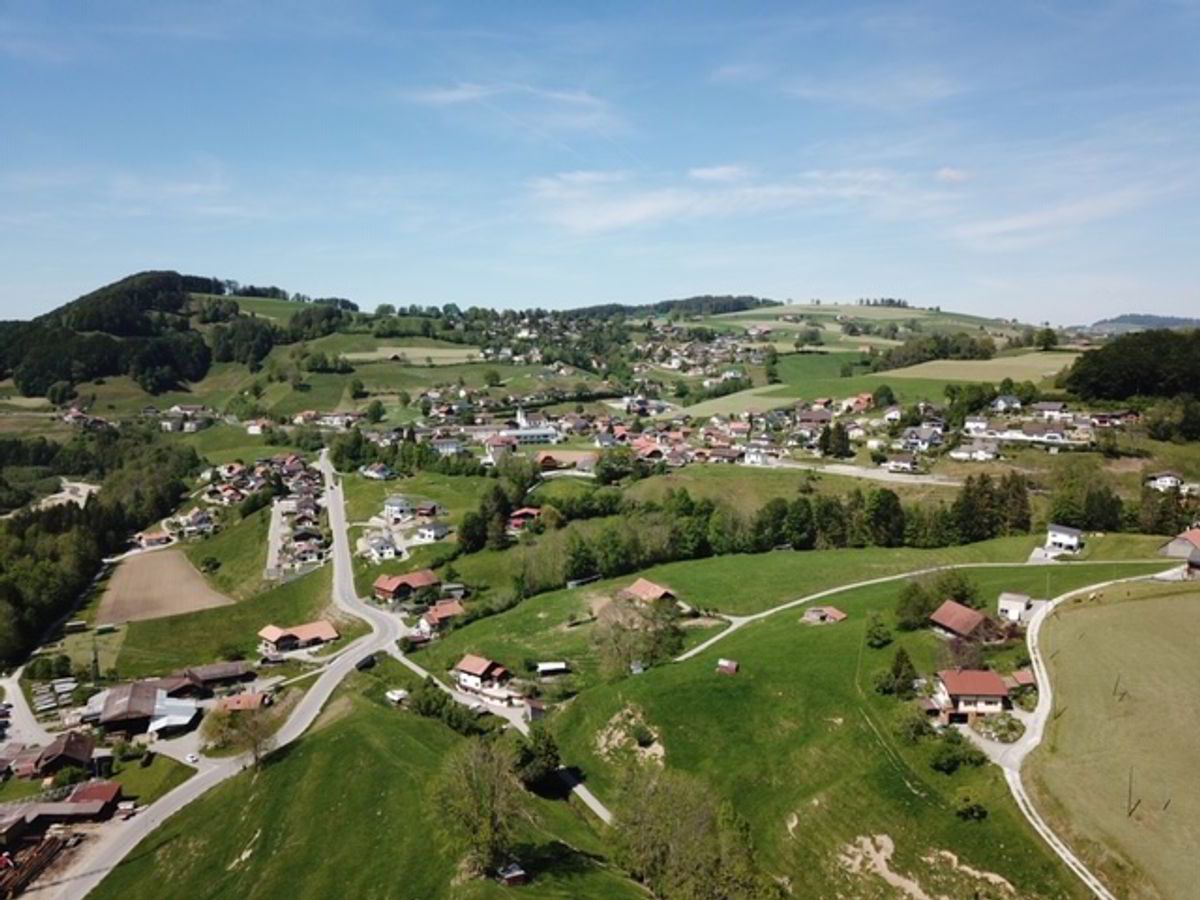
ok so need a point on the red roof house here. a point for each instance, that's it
(957, 620)
(398, 587)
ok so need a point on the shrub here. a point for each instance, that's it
(1004, 728)
(953, 752)
(968, 807)
(913, 726)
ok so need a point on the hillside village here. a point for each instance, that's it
(589, 525)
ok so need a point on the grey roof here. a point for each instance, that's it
(1067, 529)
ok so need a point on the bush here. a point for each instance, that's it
(877, 633)
(968, 807)
(953, 752)
(913, 726)
(1004, 728)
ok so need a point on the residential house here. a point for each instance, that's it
(437, 617)
(273, 639)
(380, 546)
(432, 531)
(376, 472)
(955, 620)
(394, 588)
(71, 748)
(978, 451)
(475, 673)
(1051, 410)
(921, 438)
(893, 414)
(901, 462)
(1064, 538)
(1014, 607)
(519, 518)
(966, 694)
(1006, 403)
(1164, 482)
(397, 508)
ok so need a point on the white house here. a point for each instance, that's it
(893, 415)
(975, 425)
(757, 456)
(1062, 537)
(380, 547)
(902, 462)
(1006, 403)
(1164, 482)
(966, 694)
(1014, 607)
(447, 446)
(975, 452)
(397, 508)
(474, 673)
(1051, 410)
(542, 435)
(432, 531)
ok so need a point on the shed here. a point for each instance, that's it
(956, 620)
(727, 666)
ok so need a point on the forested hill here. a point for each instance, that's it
(1142, 322)
(703, 305)
(160, 328)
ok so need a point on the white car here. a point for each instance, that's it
(192, 758)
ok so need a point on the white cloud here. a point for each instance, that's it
(884, 91)
(719, 173)
(537, 108)
(951, 175)
(1048, 223)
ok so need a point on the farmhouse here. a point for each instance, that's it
(823, 615)
(74, 748)
(1164, 482)
(438, 616)
(392, 588)
(274, 639)
(1184, 545)
(1062, 537)
(474, 673)
(644, 591)
(519, 518)
(955, 620)
(143, 706)
(962, 695)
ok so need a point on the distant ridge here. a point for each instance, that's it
(1142, 322)
(702, 305)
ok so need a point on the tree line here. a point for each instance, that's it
(927, 347)
(1159, 363)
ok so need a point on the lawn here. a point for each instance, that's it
(810, 375)
(280, 311)
(742, 584)
(240, 548)
(1127, 725)
(457, 493)
(221, 443)
(748, 488)
(147, 783)
(160, 646)
(362, 775)
(805, 750)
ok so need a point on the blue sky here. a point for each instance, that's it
(1035, 160)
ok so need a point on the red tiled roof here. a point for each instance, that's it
(474, 665)
(973, 682)
(646, 591)
(1192, 536)
(415, 580)
(956, 618)
(443, 610)
(104, 791)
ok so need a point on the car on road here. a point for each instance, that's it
(367, 662)
(192, 758)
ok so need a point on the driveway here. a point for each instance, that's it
(867, 474)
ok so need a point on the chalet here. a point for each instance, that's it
(644, 591)
(393, 588)
(427, 510)
(1183, 546)
(474, 673)
(1064, 538)
(727, 666)
(1051, 410)
(955, 620)
(921, 438)
(823, 615)
(438, 616)
(1164, 482)
(962, 695)
(149, 539)
(273, 639)
(519, 518)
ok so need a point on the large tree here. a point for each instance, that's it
(479, 802)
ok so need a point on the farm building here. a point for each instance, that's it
(727, 666)
(965, 694)
(246, 702)
(1184, 545)
(392, 588)
(644, 591)
(1163, 482)
(823, 615)
(273, 639)
(73, 748)
(142, 706)
(1063, 537)
(955, 620)
(1014, 607)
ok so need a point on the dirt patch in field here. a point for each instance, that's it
(946, 858)
(874, 854)
(621, 735)
(154, 585)
(1124, 465)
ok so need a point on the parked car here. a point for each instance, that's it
(367, 662)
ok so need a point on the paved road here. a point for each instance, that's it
(23, 725)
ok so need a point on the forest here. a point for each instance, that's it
(1159, 363)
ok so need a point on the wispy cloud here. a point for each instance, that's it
(615, 201)
(542, 108)
(1049, 223)
(952, 175)
(719, 173)
(894, 90)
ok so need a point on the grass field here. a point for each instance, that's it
(222, 443)
(147, 783)
(418, 354)
(802, 746)
(1033, 367)
(1147, 725)
(748, 488)
(159, 646)
(241, 549)
(353, 793)
(457, 493)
